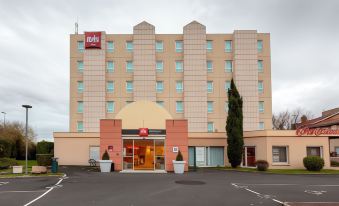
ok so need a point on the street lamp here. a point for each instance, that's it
(4, 118)
(27, 107)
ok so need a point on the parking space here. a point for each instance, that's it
(204, 187)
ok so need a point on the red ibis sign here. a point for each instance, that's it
(143, 132)
(316, 131)
(93, 40)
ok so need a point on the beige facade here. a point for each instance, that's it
(194, 76)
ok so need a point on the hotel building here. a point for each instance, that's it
(174, 85)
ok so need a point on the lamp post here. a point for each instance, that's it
(4, 118)
(26, 133)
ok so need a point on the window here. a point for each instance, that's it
(279, 154)
(80, 107)
(209, 66)
(226, 106)
(259, 45)
(209, 86)
(179, 86)
(261, 106)
(80, 126)
(261, 126)
(210, 127)
(129, 46)
(314, 151)
(228, 66)
(228, 46)
(260, 66)
(129, 86)
(80, 86)
(110, 66)
(80, 66)
(209, 106)
(209, 45)
(159, 66)
(110, 46)
(129, 66)
(159, 46)
(179, 107)
(179, 66)
(178, 46)
(260, 87)
(110, 86)
(110, 106)
(80, 46)
(159, 86)
(160, 103)
(227, 85)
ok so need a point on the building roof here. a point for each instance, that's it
(327, 119)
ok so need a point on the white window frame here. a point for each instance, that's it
(107, 107)
(209, 70)
(80, 89)
(212, 84)
(162, 66)
(212, 127)
(80, 69)
(82, 48)
(226, 106)
(129, 43)
(212, 104)
(107, 67)
(179, 49)
(226, 82)
(262, 66)
(209, 49)
(262, 46)
(110, 50)
(263, 107)
(176, 107)
(260, 89)
(159, 86)
(108, 86)
(162, 46)
(181, 88)
(226, 68)
(129, 70)
(182, 66)
(226, 50)
(80, 107)
(287, 155)
(78, 123)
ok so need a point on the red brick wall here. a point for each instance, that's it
(110, 134)
(176, 136)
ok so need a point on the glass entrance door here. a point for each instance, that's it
(143, 154)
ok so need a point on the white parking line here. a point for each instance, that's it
(257, 193)
(50, 189)
(3, 183)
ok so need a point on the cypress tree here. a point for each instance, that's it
(234, 127)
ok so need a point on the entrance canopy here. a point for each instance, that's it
(143, 114)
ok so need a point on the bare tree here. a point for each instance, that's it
(287, 120)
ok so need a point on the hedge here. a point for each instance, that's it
(44, 159)
(313, 163)
(45, 147)
(5, 163)
(5, 148)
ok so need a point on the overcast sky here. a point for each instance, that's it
(34, 47)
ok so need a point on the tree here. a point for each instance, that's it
(234, 127)
(286, 120)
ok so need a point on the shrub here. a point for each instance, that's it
(334, 164)
(105, 156)
(5, 148)
(262, 165)
(5, 163)
(45, 147)
(44, 159)
(313, 163)
(179, 157)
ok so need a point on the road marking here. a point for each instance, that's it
(258, 194)
(265, 184)
(315, 192)
(50, 189)
(3, 183)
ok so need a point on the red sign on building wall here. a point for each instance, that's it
(143, 132)
(92, 40)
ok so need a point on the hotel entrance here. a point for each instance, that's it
(143, 154)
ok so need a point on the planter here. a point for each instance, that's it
(105, 165)
(179, 167)
(17, 169)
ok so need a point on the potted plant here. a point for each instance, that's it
(105, 162)
(179, 164)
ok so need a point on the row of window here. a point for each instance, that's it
(110, 106)
(159, 86)
(210, 126)
(159, 46)
(159, 66)
(280, 153)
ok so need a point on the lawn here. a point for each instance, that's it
(280, 171)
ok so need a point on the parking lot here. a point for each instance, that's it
(83, 186)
